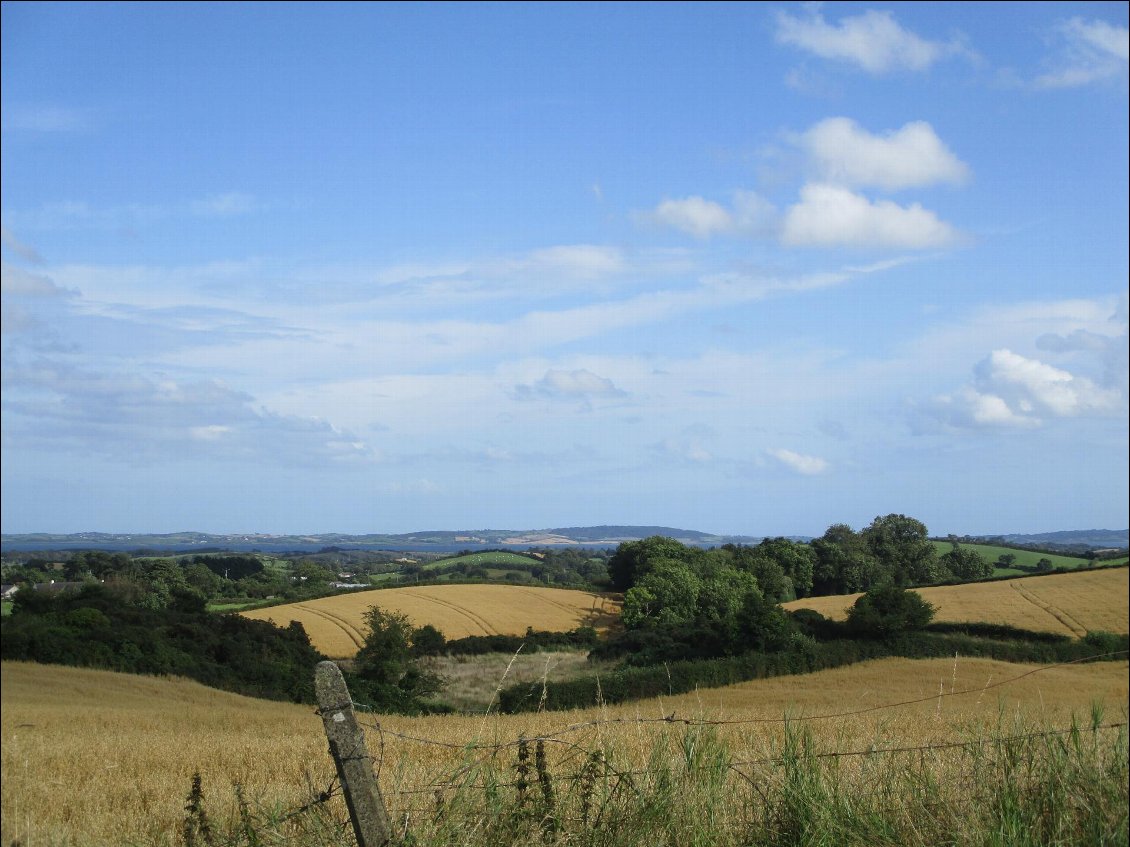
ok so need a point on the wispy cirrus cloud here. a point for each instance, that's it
(873, 41)
(1090, 51)
(24, 251)
(134, 418)
(23, 283)
(581, 384)
(228, 204)
(43, 118)
(78, 214)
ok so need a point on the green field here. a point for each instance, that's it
(1024, 558)
(487, 559)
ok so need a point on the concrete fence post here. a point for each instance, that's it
(367, 810)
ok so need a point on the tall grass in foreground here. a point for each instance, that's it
(99, 758)
(1020, 785)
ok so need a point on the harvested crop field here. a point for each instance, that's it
(95, 757)
(1069, 604)
(336, 624)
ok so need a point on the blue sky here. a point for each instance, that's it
(743, 268)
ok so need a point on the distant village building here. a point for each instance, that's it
(55, 586)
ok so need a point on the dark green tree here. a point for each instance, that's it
(633, 559)
(428, 641)
(667, 595)
(844, 563)
(888, 610)
(966, 563)
(386, 661)
(902, 545)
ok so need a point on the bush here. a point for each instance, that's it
(888, 610)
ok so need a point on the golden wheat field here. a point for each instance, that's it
(1069, 603)
(335, 624)
(95, 757)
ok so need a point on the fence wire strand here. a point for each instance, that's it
(557, 737)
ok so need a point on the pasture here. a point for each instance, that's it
(1069, 604)
(336, 625)
(95, 757)
(1024, 558)
(492, 558)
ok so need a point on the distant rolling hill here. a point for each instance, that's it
(1070, 539)
(473, 539)
(441, 540)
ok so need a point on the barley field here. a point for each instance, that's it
(1069, 604)
(335, 624)
(94, 757)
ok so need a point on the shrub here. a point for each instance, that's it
(888, 610)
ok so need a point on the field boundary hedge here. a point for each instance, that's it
(683, 676)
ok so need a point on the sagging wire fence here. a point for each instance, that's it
(589, 786)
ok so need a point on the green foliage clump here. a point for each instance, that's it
(888, 610)
(101, 626)
(583, 637)
(387, 673)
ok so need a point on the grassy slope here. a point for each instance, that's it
(498, 559)
(98, 757)
(1028, 558)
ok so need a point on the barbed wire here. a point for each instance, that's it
(431, 788)
(674, 719)
(627, 777)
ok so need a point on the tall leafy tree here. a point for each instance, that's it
(966, 563)
(902, 545)
(633, 559)
(393, 675)
(666, 595)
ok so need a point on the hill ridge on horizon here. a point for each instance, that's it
(602, 533)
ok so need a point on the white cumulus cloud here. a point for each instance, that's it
(799, 462)
(749, 214)
(874, 41)
(694, 215)
(832, 216)
(1014, 391)
(844, 153)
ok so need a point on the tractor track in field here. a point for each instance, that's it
(1076, 628)
(342, 624)
(476, 619)
(576, 611)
